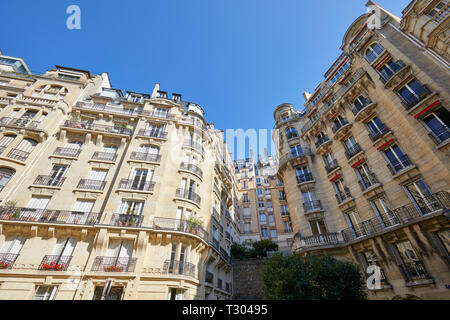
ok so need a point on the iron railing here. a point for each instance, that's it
(180, 225)
(415, 270)
(91, 184)
(179, 267)
(402, 163)
(195, 145)
(374, 136)
(47, 215)
(55, 263)
(153, 133)
(136, 185)
(338, 125)
(68, 152)
(312, 205)
(49, 181)
(332, 238)
(108, 109)
(142, 156)
(104, 156)
(410, 99)
(126, 220)
(17, 154)
(188, 194)
(306, 177)
(352, 150)
(440, 134)
(157, 114)
(360, 105)
(321, 141)
(368, 181)
(114, 264)
(96, 127)
(331, 165)
(191, 167)
(342, 196)
(7, 260)
(386, 74)
(291, 156)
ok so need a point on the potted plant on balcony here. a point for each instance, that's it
(4, 265)
(113, 269)
(193, 225)
(11, 210)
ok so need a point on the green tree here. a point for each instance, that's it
(312, 278)
(261, 247)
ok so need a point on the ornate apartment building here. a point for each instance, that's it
(262, 203)
(365, 166)
(106, 195)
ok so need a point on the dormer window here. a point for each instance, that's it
(136, 99)
(161, 94)
(176, 97)
(373, 51)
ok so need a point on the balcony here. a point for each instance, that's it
(7, 260)
(338, 128)
(225, 255)
(170, 224)
(20, 123)
(67, 152)
(105, 156)
(148, 157)
(411, 99)
(367, 182)
(49, 181)
(228, 235)
(398, 217)
(209, 277)
(19, 155)
(374, 136)
(179, 267)
(311, 206)
(326, 239)
(294, 157)
(394, 68)
(351, 151)
(83, 126)
(103, 108)
(126, 220)
(137, 185)
(114, 264)
(55, 263)
(215, 244)
(192, 168)
(305, 178)
(194, 145)
(91, 184)
(153, 133)
(188, 195)
(47, 215)
(400, 165)
(322, 141)
(330, 166)
(440, 134)
(343, 196)
(158, 115)
(362, 108)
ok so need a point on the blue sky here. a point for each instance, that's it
(238, 59)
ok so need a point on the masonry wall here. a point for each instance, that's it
(247, 279)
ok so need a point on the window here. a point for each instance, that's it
(291, 133)
(271, 218)
(23, 150)
(376, 128)
(62, 252)
(10, 251)
(72, 149)
(361, 102)
(440, 11)
(131, 207)
(297, 151)
(303, 174)
(5, 176)
(412, 93)
(382, 210)
(318, 227)
(340, 72)
(412, 265)
(81, 211)
(396, 159)
(56, 177)
(421, 197)
(245, 197)
(273, 233)
(176, 294)
(118, 255)
(281, 195)
(264, 233)
(259, 191)
(262, 217)
(258, 181)
(365, 176)
(260, 204)
(269, 204)
(5, 141)
(139, 179)
(373, 51)
(111, 293)
(244, 185)
(284, 209)
(354, 223)
(351, 146)
(45, 293)
(35, 208)
(370, 259)
(389, 69)
(438, 123)
(310, 202)
(287, 226)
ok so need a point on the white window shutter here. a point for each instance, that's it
(113, 248)
(126, 250)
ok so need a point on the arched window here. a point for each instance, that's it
(23, 150)
(5, 141)
(373, 51)
(5, 176)
(291, 133)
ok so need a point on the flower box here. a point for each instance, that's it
(53, 266)
(4, 265)
(113, 269)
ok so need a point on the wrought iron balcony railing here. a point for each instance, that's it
(313, 205)
(20, 122)
(50, 181)
(126, 220)
(156, 114)
(91, 184)
(7, 260)
(415, 270)
(188, 194)
(326, 239)
(114, 264)
(191, 167)
(108, 109)
(388, 73)
(440, 134)
(402, 163)
(67, 152)
(55, 263)
(142, 156)
(410, 99)
(338, 125)
(47, 215)
(351, 151)
(366, 182)
(331, 165)
(17, 154)
(215, 243)
(153, 133)
(97, 127)
(179, 267)
(342, 196)
(321, 141)
(375, 135)
(104, 156)
(136, 185)
(180, 225)
(360, 105)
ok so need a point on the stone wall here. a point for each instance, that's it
(247, 279)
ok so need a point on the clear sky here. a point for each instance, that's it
(238, 59)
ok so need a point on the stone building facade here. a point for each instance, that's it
(106, 195)
(365, 165)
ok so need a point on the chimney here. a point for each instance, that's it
(266, 154)
(306, 95)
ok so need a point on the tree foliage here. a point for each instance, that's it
(312, 278)
(258, 249)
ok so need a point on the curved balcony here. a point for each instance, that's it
(194, 145)
(411, 99)
(363, 109)
(375, 136)
(192, 168)
(82, 126)
(179, 268)
(322, 144)
(387, 74)
(180, 225)
(188, 194)
(322, 240)
(294, 157)
(340, 129)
